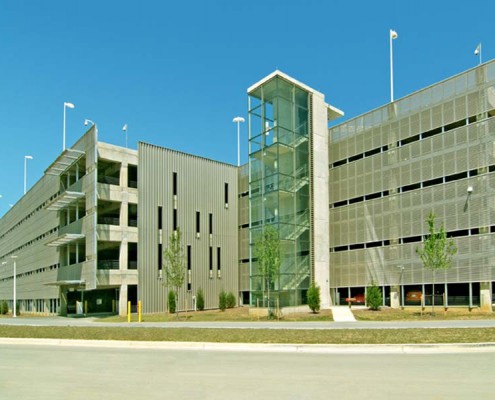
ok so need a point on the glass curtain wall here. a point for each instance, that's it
(279, 186)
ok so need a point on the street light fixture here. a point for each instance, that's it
(238, 121)
(25, 167)
(14, 305)
(88, 121)
(124, 128)
(69, 105)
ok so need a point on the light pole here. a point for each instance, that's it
(124, 128)
(25, 168)
(238, 120)
(393, 35)
(14, 305)
(70, 105)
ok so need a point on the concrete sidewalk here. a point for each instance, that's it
(263, 347)
(342, 314)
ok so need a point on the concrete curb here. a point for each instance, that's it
(263, 347)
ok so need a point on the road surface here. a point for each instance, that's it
(63, 372)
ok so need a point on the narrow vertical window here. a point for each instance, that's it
(174, 183)
(226, 193)
(160, 256)
(189, 280)
(210, 226)
(219, 258)
(160, 219)
(210, 261)
(198, 226)
(174, 219)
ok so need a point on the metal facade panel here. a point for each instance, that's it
(457, 156)
(200, 187)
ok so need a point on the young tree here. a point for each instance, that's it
(267, 251)
(172, 302)
(374, 297)
(314, 298)
(174, 264)
(200, 300)
(222, 300)
(437, 251)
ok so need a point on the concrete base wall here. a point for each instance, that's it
(486, 296)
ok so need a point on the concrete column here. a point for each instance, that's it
(395, 296)
(124, 217)
(63, 301)
(320, 200)
(486, 296)
(123, 300)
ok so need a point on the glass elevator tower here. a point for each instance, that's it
(279, 176)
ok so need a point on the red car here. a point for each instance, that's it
(360, 298)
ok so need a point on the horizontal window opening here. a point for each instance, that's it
(356, 200)
(373, 196)
(340, 203)
(408, 188)
(356, 157)
(372, 152)
(339, 163)
(411, 239)
(432, 182)
(456, 177)
(455, 125)
(431, 133)
(459, 233)
(409, 140)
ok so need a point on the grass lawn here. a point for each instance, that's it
(416, 314)
(240, 314)
(318, 336)
(309, 336)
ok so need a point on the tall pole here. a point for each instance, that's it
(477, 52)
(14, 305)
(25, 168)
(393, 35)
(70, 105)
(124, 128)
(238, 120)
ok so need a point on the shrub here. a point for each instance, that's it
(314, 298)
(230, 300)
(374, 297)
(200, 300)
(222, 300)
(172, 302)
(4, 308)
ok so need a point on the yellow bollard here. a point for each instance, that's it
(140, 311)
(128, 311)
(86, 307)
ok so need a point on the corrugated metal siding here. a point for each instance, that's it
(34, 258)
(200, 188)
(467, 149)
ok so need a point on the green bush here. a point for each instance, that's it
(374, 297)
(222, 300)
(230, 300)
(314, 298)
(4, 308)
(172, 302)
(200, 300)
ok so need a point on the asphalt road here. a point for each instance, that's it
(63, 321)
(62, 372)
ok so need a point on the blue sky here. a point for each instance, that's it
(177, 72)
